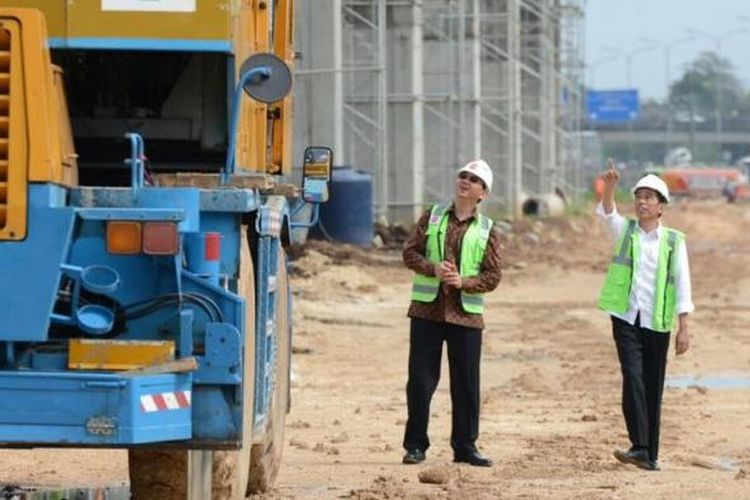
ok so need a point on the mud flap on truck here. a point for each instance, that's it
(269, 227)
(94, 408)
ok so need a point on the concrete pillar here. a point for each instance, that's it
(318, 77)
(417, 90)
(515, 125)
(548, 101)
(383, 196)
(476, 93)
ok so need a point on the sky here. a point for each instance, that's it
(645, 27)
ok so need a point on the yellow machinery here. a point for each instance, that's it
(39, 96)
(162, 68)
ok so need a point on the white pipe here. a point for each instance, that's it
(383, 109)
(477, 90)
(417, 89)
(515, 125)
(338, 83)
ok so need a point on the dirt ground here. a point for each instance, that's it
(550, 414)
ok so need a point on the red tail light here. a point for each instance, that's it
(161, 238)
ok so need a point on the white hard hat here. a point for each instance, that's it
(655, 183)
(481, 169)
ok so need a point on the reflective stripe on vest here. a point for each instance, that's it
(623, 256)
(426, 288)
(666, 292)
(615, 295)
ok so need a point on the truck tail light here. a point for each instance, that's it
(124, 237)
(161, 238)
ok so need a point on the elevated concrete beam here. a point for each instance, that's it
(658, 137)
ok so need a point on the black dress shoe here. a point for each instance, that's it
(473, 458)
(637, 457)
(414, 456)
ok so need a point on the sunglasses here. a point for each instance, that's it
(471, 178)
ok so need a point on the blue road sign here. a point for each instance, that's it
(612, 106)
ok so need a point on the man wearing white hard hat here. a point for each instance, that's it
(647, 290)
(455, 254)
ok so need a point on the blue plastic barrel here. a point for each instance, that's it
(347, 216)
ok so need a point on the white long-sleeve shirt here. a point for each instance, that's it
(643, 287)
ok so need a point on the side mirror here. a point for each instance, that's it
(316, 174)
(266, 77)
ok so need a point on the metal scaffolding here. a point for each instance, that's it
(439, 82)
(365, 93)
(342, 91)
(571, 73)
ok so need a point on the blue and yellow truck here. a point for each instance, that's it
(145, 213)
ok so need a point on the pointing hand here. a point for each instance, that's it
(611, 177)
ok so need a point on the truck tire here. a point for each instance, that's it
(163, 474)
(230, 469)
(156, 473)
(266, 455)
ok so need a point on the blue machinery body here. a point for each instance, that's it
(61, 282)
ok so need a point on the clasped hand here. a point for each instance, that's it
(447, 272)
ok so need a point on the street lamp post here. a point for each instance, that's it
(629, 56)
(592, 81)
(668, 81)
(592, 68)
(667, 48)
(718, 41)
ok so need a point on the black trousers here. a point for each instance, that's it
(643, 362)
(425, 352)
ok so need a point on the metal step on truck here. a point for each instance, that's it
(144, 294)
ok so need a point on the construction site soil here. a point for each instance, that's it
(550, 415)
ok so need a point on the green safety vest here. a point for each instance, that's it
(615, 296)
(426, 288)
